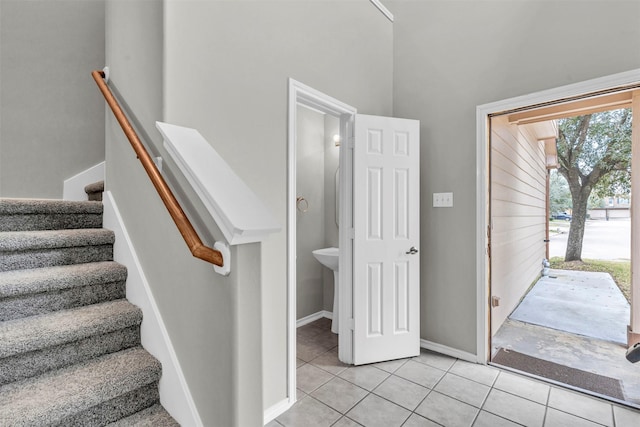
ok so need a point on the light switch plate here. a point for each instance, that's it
(442, 200)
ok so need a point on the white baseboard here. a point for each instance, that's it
(276, 410)
(174, 392)
(73, 188)
(281, 407)
(448, 351)
(313, 317)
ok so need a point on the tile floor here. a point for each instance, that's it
(430, 390)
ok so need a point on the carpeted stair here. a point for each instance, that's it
(94, 191)
(70, 352)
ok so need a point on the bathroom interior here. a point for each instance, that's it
(317, 161)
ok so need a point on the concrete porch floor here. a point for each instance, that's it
(576, 319)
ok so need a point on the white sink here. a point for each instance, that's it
(328, 257)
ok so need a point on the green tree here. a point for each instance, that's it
(559, 194)
(594, 153)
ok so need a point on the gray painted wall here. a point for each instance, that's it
(310, 224)
(317, 160)
(52, 115)
(227, 71)
(214, 322)
(450, 57)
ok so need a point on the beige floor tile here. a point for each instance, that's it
(374, 411)
(310, 378)
(581, 405)
(487, 419)
(482, 374)
(339, 394)
(391, 365)
(384, 394)
(626, 417)
(557, 418)
(367, 377)
(463, 389)
(523, 387)
(300, 394)
(446, 410)
(346, 422)
(309, 350)
(436, 360)
(425, 375)
(402, 392)
(416, 420)
(308, 412)
(329, 362)
(514, 408)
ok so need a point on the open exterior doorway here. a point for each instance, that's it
(517, 139)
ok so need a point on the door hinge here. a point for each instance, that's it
(352, 233)
(351, 142)
(351, 323)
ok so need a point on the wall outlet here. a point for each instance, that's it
(442, 200)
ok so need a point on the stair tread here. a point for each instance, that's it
(155, 416)
(59, 327)
(45, 279)
(48, 206)
(50, 239)
(76, 388)
(95, 187)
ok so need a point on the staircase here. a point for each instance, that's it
(70, 352)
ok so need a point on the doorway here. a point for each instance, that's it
(618, 91)
(379, 232)
(302, 96)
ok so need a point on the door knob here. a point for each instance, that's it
(412, 251)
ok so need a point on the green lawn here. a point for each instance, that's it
(619, 270)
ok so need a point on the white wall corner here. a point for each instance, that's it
(73, 188)
(175, 395)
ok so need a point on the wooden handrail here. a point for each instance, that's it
(189, 234)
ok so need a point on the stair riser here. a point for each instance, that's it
(47, 302)
(34, 363)
(33, 222)
(51, 257)
(114, 409)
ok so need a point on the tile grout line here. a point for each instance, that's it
(393, 373)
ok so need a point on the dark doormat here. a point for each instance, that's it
(575, 377)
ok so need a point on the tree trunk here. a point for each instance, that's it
(578, 220)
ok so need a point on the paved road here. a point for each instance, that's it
(602, 239)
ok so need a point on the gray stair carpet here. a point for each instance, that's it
(94, 191)
(70, 351)
(43, 214)
(46, 248)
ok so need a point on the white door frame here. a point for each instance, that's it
(483, 113)
(301, 94)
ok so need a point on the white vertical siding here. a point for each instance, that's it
(518, 214)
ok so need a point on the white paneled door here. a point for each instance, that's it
(386, 258)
